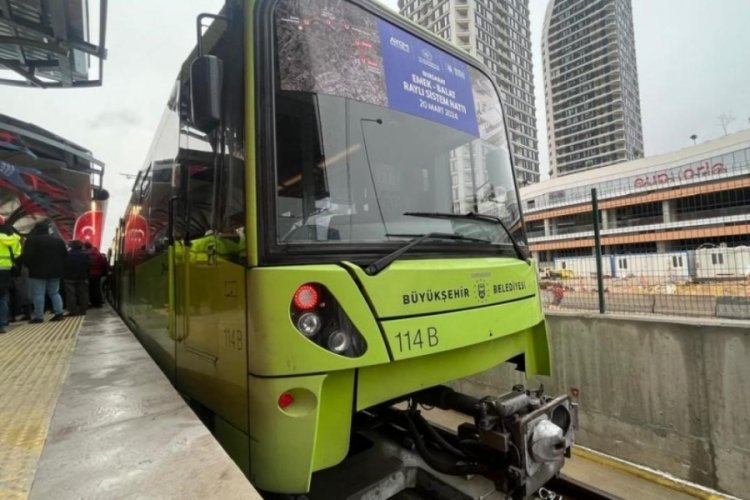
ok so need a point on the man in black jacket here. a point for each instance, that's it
(44, 255)
(76, 279)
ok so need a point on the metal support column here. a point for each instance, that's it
(598, 249)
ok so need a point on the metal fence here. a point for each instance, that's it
(679, 250)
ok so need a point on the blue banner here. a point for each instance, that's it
(424, 81)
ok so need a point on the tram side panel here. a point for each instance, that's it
(211, 339)
(149, 311)
(143, 297)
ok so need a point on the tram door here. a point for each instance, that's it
(208, 279)
(209, 268)
(193, 272)
(209, 262)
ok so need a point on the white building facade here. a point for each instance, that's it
(697, 197)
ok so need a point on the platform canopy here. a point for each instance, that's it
(48, 43)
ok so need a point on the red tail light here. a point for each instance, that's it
(285, 400)
(306, 297)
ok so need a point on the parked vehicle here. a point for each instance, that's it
(551, 273)
(585, 266)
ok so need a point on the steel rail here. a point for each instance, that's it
(565, 487)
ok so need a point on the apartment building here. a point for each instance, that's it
(591, 85)
(497, 32)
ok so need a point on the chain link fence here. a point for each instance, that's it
(678, 247)
(650, 285)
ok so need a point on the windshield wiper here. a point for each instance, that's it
(474, 216)
(383, 262)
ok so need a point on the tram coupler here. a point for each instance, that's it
(523, 435)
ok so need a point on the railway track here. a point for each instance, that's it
(564, 487)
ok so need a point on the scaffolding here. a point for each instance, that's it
(47, 44)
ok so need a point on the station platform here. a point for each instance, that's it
(85, 413)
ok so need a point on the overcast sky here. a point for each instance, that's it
(693, 63)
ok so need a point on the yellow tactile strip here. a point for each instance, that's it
(34, 360)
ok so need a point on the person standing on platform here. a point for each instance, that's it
(10, 250)
(44, 255)
(21, 292)
(77, 279)
(97, 271)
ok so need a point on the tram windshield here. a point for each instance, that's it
(373, 123)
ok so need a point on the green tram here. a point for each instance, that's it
(326, 231)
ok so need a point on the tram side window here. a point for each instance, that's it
(148, 216)
(230, 208)
(212, 185)
(301, 180)
(161, 192)
(195, 177)
(136, 228)
(198, 171)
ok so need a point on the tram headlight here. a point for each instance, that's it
(339, 341)
(309, 324)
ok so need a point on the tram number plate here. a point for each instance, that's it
(233, 338)
(417, 340)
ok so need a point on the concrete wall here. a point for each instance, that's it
(671, 394)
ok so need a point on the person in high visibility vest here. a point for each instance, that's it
(10, 251)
